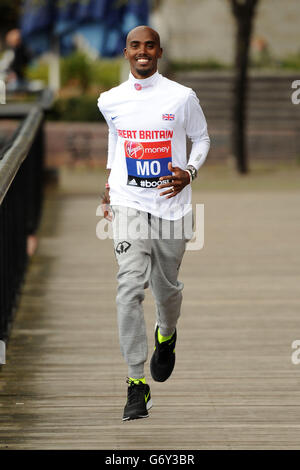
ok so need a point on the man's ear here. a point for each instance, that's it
(125, 53)
(161, 52)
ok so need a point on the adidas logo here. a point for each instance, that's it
(133, 182)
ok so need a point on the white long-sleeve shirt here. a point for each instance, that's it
(148, 122)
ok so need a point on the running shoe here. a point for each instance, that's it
(163, 359)
(138, 400)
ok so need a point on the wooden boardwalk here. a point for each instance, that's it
(234, 385)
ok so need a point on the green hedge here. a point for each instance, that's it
(104, 73)
(76, 108)
(291, 62)
(88, 78)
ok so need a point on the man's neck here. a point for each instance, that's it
(142, 77)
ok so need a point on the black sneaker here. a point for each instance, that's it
(163, 359)
(138, 400)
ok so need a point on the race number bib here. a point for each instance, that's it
(147, 162)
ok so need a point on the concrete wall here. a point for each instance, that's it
(202, 29)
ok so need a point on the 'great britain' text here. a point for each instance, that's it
(145, 135)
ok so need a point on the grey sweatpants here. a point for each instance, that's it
(149, 251)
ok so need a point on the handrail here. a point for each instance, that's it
(16, 110)
(12, 158)
(21, 198)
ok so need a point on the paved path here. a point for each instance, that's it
(234, 385)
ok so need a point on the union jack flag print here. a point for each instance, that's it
(168, 117)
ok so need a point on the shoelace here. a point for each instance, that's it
(165, 348)
(132, 382)
(135, 390)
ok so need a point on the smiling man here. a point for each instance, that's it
(149, 189)
(143, 51)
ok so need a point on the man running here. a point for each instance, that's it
(149, 187)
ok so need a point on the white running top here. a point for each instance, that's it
(148, 122)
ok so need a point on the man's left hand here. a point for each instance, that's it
(177, 181)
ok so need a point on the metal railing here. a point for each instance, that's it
(21, 195)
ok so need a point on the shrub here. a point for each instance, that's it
(292, 62)
(86, 79)
(76, 108)
(76, 66)
(105, 73)
(38, 70)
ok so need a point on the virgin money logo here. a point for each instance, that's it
(134, 150)
(148, 150)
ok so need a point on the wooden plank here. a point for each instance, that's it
(234, 385)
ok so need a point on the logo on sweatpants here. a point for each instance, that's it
(122, 247)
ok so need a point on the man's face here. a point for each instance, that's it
(143, 50)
